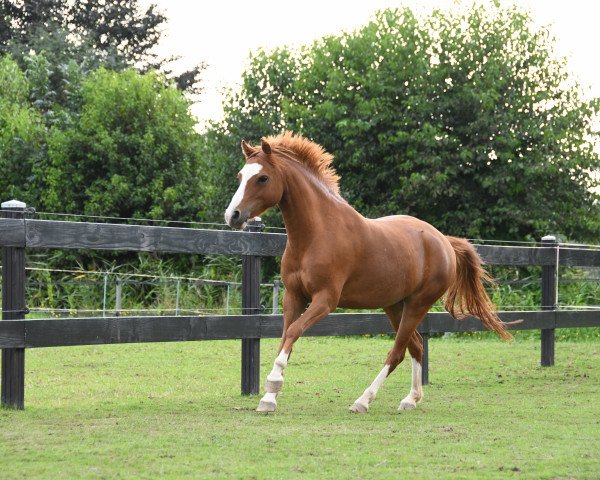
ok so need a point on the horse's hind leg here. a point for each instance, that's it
(411, 315)
(408, 337)
(361, 405)
(415, 348)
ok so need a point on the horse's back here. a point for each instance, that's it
(414, 232)
(405, 222)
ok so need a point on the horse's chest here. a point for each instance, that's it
(311, 274)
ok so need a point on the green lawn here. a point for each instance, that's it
(174, 410)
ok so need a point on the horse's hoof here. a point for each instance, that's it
(359, 408)
(406, 406)
(266, 406)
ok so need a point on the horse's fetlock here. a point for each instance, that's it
(370, 394)
(273, 386)
(417, 395)
(275, 377)
(280, 362)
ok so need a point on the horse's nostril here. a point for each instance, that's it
(236, 215)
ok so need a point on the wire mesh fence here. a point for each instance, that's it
(91, 293)
(75, 292)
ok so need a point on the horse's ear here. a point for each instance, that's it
(247, 150)
(265, 146)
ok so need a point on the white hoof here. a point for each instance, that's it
(359, 408)
(407, 405)
(264, 406)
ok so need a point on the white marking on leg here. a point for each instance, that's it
(276, 374)
(269, 398)
(416, 391)
(247, 172)
(274, 383)
(362, 403)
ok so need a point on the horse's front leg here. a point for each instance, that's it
(293, 305)
(320, 306)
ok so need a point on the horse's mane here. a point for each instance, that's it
(310, 154)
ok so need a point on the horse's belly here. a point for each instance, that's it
(376, 288)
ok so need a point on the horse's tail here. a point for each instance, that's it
(467, 296)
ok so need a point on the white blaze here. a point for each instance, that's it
(249, 171)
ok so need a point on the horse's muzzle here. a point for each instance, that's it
(236, 219)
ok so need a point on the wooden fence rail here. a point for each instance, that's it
(111, 330)
(33, 233)
(18, 233)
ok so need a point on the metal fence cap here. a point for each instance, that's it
(14, 204)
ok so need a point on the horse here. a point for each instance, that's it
(335, 257)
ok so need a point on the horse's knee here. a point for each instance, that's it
(293, 332)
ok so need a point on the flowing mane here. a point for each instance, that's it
(310, 154)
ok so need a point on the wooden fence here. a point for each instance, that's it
(18, 233)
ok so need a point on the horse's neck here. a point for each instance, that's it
(309, 208)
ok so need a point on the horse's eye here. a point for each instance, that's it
(263, 179)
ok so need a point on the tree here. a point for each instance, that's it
(22, 134)
(116, 34)
(132, 153)
(465, 119)
(120, 25)
(117, 28)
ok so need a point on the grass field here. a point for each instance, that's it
(174, 410)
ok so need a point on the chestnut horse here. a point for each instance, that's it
(335, 257)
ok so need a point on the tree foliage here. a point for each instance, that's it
(118, 144)
(76, 116)
(466, 119)
(21, 133)
(92, 33)
(122, 144)
(132, 152)
(117, 29)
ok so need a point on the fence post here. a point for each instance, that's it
(227, 299)
(549, 302)
(251, 306)
(104, 296)
(13, 308)
(177, 293)
(276, 286)
(425, 360)
(118, 295)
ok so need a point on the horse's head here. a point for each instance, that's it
(260, 186)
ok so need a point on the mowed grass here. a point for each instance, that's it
(175, 410)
